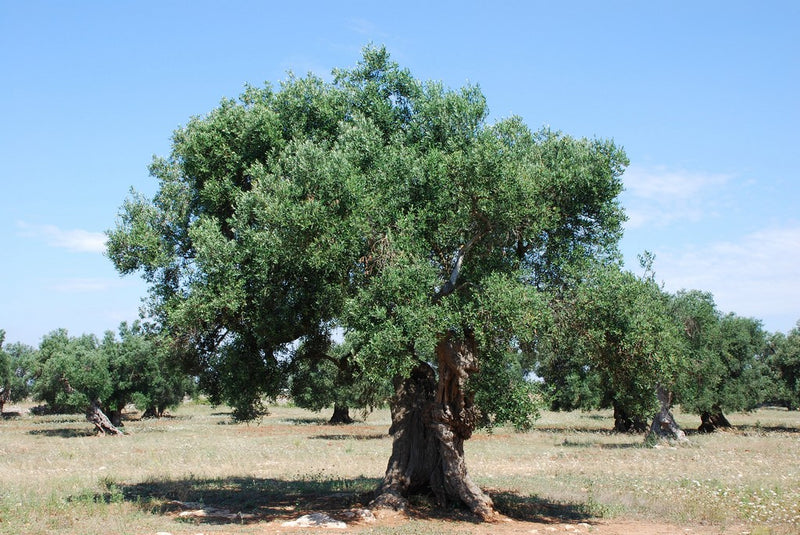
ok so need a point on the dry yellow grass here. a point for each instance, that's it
(57, 477)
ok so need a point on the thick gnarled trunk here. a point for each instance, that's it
(101, 422)
(664, 426)
(624, 422)
(341, 415)
(712, 420)
(431, 419)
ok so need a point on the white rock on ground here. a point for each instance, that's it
(316, 520)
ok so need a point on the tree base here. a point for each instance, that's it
(711, 421)
(664, 426)
(627, 423)
(341, 416)
(101, 422)
(429, 427)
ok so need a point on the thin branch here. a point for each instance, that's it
(450, 285)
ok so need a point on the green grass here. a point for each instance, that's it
(57, 477)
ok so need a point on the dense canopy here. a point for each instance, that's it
(374, 210)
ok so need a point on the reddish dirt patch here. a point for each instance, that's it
(508, 527)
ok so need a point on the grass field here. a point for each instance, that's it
(568, 475)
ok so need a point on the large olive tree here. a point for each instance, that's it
(388, 208)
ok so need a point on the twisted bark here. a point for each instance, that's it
(431, 419)
(664, 425)
(101, 422)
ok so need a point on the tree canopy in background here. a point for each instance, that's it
(612, 343)
(783, 358)
(17, 362)
(70, 374)
(724, 369)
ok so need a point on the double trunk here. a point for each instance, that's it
(664, 425)
(431, 419)
(625, 422)
(713, 420)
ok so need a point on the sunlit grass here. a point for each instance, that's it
(57, 477)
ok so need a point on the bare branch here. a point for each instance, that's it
(450, 285)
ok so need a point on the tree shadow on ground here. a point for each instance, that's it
(64, 432)
(248, 500)
(253, 499)
(587, 430)
(536, 509)
(765, 429)
(374, 436)
(9, 415)
(307, 421)
(637, 442)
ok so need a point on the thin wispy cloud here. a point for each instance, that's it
(364, 27)
(75, 240)
(659, 196)
(756, 276)
(85, 285)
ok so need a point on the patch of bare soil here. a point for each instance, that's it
(507, 527)
(336, 516)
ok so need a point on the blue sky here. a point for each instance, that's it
(704, 97)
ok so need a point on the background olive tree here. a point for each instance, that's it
(77, 374)
(614, 343)
(725, 368)
(783, 359)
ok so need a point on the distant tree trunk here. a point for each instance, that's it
(94, 413)
(4, 396)
(154, 411)
(624, 422)
(430, 423)
(115, 416)
(664, 425)
(713, 420)
(341, 415)
(101, 422)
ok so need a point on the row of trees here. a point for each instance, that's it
(618, 339)
(592, 356)
(101, 377)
